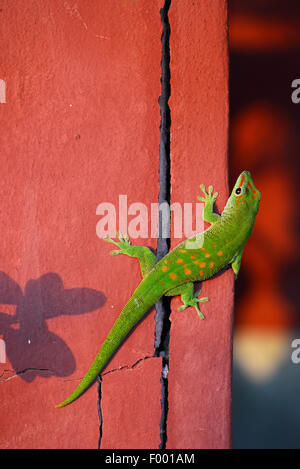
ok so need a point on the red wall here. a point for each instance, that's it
(79, 127)
(200, 367)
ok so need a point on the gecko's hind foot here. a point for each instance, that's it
(194, 303)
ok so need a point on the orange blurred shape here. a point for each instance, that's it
(260, 132)
(265, 308)
(263, 305)
(257, 34)
(275, 225)
(267, 254)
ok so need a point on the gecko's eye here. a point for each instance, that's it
(238, 190)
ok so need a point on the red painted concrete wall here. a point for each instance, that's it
(80, 126)
(200, 366)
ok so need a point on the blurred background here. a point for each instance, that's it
(264, 38)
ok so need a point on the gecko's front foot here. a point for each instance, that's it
(208, 196)
(123, 244)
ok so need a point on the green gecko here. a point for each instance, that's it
(196, 259)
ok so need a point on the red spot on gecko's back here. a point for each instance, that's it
(206, 254)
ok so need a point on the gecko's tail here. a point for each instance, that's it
(136, 308)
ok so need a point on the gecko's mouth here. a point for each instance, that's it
(247, 173)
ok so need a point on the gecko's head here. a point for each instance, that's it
(245, 194)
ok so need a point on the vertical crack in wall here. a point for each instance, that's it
(163, 308)
(99, 380)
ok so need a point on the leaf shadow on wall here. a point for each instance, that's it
(30, 346)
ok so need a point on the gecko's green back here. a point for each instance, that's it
(202, 256)
(195, 259)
